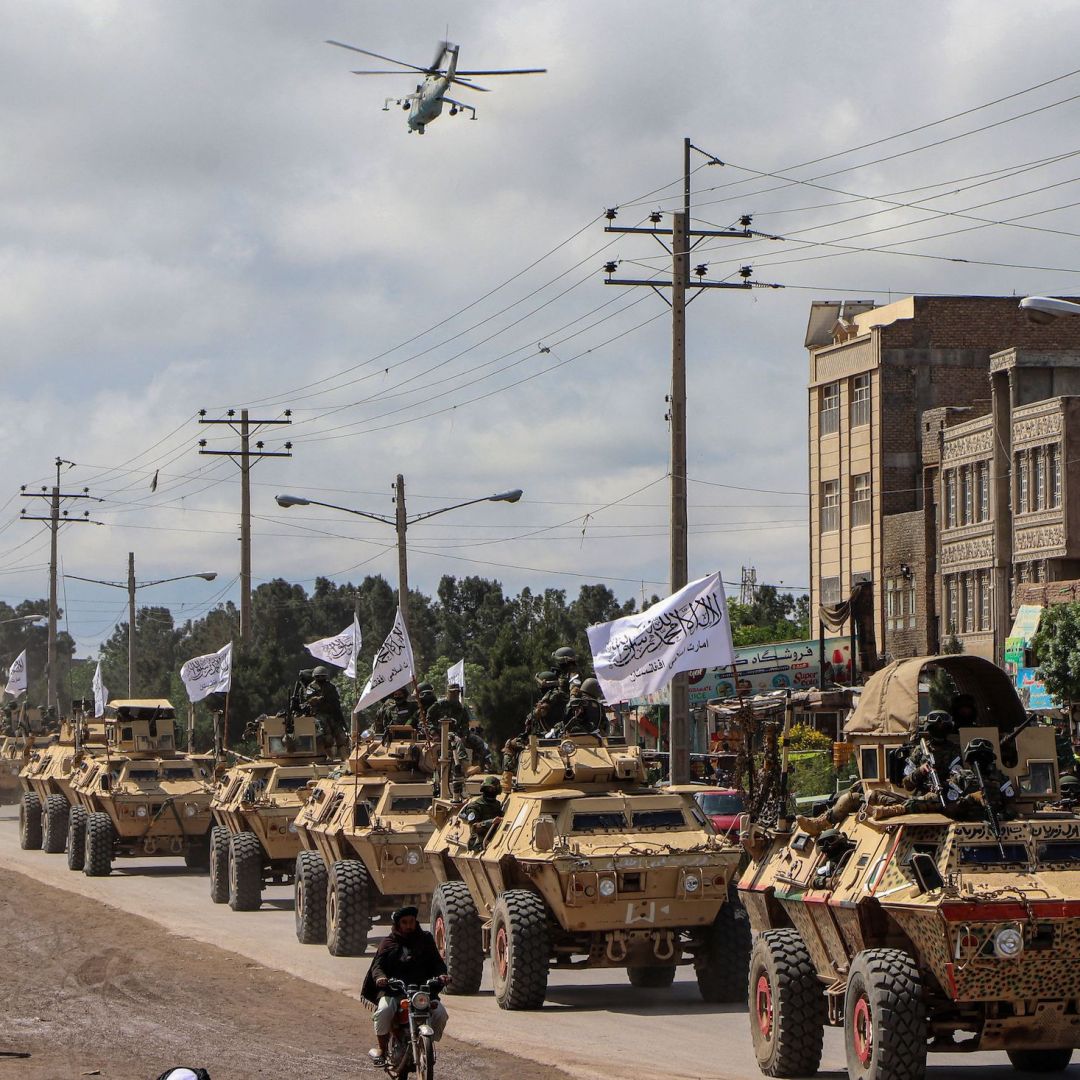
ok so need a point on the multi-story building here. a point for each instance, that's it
(913, 411)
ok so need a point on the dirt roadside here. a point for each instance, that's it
(90, 991)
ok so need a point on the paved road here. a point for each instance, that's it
(594, 1024)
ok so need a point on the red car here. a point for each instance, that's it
(723, 806)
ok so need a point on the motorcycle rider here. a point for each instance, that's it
(411, 955)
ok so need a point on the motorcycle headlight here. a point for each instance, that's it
(607, 887)
(1008, 943)
(190, 810)
(421, 1001)
(691, 883)
(140, 811)
(412, 858)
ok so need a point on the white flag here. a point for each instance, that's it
(640, 654)
(101, 693)
(456, 674)
(16, 683)
(340, 650)
(392, 668)
(210, 674)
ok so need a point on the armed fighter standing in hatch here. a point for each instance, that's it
(452, 708)
(398, 710)
(318, 697)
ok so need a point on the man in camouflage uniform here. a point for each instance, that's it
(585, 712)
(535, 724)
(481, 811)
(398, 710)
(320, 699)
(455, 710)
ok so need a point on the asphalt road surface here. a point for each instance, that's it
(593, 1025)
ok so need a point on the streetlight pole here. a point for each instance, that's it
(401, 522)
(131, 585)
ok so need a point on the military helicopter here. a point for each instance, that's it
(426, 102)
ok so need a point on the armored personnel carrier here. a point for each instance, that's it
(140, 797)
(587, 866)
(254, 841)
(46, 781)
(363, 830)
(944, 921)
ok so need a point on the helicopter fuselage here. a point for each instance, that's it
(427, 103)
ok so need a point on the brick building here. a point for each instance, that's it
(914, 408)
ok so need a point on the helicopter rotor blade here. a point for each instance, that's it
(378, 56)
(470, 85)
(508, 71)
(409, 73)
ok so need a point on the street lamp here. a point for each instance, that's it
(25, 618)
(401, 522)
(1045, 309)
(131, 585)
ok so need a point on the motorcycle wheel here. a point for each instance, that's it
(399, 1058)
(425, 1067)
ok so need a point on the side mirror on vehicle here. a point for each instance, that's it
(926, 872)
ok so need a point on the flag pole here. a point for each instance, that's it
(225, 724)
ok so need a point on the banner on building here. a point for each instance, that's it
(340, 650)
(101, 692)
(17, 680)
(640, 654)
(392, 668)
(210, 674)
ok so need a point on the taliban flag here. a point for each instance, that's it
(640, 654)
(455, 676)
(101, 693)
(340, 650)
(210, 674)
(17, 680)
(392, 668)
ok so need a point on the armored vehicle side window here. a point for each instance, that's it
(591, 822)
(1040, 778)
(868, 767)
(142, 776)
(183, 773)
(291, 783)
(658, 819)
(361, 815)
(404, 804)
(991, 855)
(1060, 851)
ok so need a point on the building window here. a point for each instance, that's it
(890, 603)
(982, 471)
(952, 604)
(984, 600)
(1038, 480)
(830, 506)
(860, 499)
(829, 420)
(1054, 468)
(830, 590)
(911, 602)
(860, 400)
(950, 498)
(966, 496)
(1021, 486)
(969, 603)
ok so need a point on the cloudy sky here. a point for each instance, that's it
(202, 208)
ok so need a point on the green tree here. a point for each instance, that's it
(1057, 648)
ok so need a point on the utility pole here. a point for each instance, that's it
(684, 238)
(748, 586)
(56, 517)
(401, 524)
(245, 457)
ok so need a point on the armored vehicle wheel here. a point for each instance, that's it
(455, 925)
(245, 872)
(651, 977)
(76, 838)
(30, 822)
(97, 860)
(348, 908)
(197, 855)
(1040, 1061)
(721, 966)
(309, 893)
(787, 1006)
(520, 950)
(884, 1017)
(55, 818)
(219, 865)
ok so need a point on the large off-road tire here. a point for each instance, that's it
(348, 908)
(76, 838)
(197, 853)
(1040, 1061)
(884, 1017)
(97, 858)
(309, 895)
(55, 819)
(520, 950)
(722, 966)
(245, 872)
(30, 822)
(455, 925)
(651, 978)
(787, 1005)
(219, 865)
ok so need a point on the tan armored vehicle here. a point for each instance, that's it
(46, 780)
(946, 920)
(363, 830)
(586, 867)
(255, 805)
(140, 798)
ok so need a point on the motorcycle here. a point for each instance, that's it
(412, 1039)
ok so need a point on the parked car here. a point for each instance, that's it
(723, 806)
